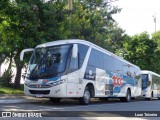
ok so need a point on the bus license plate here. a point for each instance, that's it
(39, 95)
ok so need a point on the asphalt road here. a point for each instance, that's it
(97, 109)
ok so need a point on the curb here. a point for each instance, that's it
(11, 95)
(12, 101)
(18, 98)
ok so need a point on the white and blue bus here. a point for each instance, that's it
(79, 69)
(150, 84)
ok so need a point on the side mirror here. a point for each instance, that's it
(150, 77)
(23, 51)
(75, 51)
(23, 76)
(149, 80)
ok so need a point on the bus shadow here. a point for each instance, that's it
(94, 101)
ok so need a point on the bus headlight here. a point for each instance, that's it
(57, 82)
(26, 83)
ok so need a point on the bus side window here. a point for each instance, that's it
(118, 66)
(108, 62)
(96, 59)
(82, 49)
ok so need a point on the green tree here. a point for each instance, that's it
(156, 40)
(140, 50)
(92, 20)
(27, 23)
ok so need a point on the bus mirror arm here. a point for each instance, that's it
(75, 51)
(149, 78)
(23, 51)
(23, 76)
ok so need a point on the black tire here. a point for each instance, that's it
(122, 99)
(85, 100)
(150, 97)
(133, 98)
(55, 100)
(128, 96)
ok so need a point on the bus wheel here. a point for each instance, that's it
(133, 98)
(55, 100)
(85, 100)
(128, 96)
(150, 97)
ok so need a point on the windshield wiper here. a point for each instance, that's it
(38, 66)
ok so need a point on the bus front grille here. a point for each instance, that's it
(39, 86)
(44, 92)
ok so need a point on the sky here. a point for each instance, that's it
(137, 16)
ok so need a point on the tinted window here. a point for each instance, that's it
(82, 53)
(108, 62)
(126, 69)
(90, 73)
(96, 59)
(144, 78)
(118, 66)
(155, 79)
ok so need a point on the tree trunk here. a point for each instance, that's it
(18, 75)
(18, 72)
(9, 69)
(10, 62)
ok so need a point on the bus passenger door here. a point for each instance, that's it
(72, 84)
(155, 91)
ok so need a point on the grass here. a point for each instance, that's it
(8, 90)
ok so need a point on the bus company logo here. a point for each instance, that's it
(45, 81)
(38, 86)
(6, 114)
(117, 81)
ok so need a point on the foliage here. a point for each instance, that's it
(156, 53)
(6, 78)
(142, 51)
(8, 90)
(156, 38)
(2, 58)
(27, 23)
(92, 21)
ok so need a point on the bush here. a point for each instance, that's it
(6, 78)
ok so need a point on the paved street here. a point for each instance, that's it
(71, 108)
(73, 105)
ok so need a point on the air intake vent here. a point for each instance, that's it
(44, 92)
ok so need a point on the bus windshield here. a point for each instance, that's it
(49, 61)
(145, 81)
